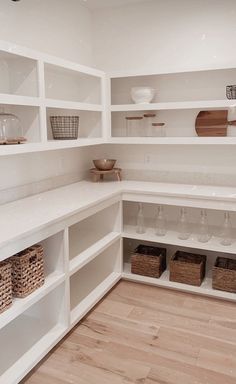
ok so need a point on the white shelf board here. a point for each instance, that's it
(63, 104)
(163, 281)
(171, 237)
(20, 305)
(174, 140)
(48, 145)
(19, 100)
(85, 305)
(91, 252)
(168, 71)
(29, 359)
(198, 104)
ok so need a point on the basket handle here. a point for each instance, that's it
(32, 259)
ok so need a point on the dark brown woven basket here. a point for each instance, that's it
(5, 286)
(148, 261)
(27, 271)
(64, 127)
(224, 274)
(187, 268)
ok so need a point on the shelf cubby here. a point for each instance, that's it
(129, 246)
(176, 87)
(18, 75)
(88, 285)
(29, 117)
(54, 271)
(37, 330)
(215, 220)
(92, 229)
(90, 122)
(179, 123)
(70, 85)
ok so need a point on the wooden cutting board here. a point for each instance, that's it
(213, 123)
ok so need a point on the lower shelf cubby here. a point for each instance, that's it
(31, 335)
(90, 283)
(129, 245)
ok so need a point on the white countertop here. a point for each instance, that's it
(28, 215)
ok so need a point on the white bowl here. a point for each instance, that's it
(142, 95)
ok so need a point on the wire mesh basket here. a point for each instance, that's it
(64, 127)
(231, 92)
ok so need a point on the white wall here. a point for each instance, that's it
(166, 35)
(29, 174)
(176, 164)
(58, 27)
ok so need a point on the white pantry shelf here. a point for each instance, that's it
(85, 305)
(29, 359)
(163, 281)
(63, 104)
(91, 252)
(174, 140)
(199, 104)
(171, 237)
(20, 100)
(20, 305)
(48, 146)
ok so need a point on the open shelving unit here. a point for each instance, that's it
(212, 248)
(35, 86)
(87, 251)
(179, 98)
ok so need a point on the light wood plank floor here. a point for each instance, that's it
(145, 335)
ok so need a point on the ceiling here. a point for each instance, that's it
(98, 4)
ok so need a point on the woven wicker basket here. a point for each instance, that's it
(148, 261)
(224, 274)
(187, 268)
(27, 271)
(5, 286)
(64, 127)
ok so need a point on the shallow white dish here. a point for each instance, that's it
(142, 95)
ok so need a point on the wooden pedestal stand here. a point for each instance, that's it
(99, 175)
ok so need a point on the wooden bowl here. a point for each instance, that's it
(104, 164)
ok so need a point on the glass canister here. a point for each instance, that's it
(134, 126)
(10, 128)
(158, 130)
(148, 120)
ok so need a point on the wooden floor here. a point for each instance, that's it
(145, 335)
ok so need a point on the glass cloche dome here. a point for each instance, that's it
(10, 128)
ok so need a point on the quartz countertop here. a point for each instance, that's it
(25, 216)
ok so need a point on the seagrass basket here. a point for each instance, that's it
(27, 271)
(224, 274)
(148, 261)
(65, 127)
(187, 268)
(5, 286)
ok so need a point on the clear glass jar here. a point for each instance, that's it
(148, 119)
(226, 235)
(158, 130)
(10, 127)
(203, 228)
(134, 126)
(183, 227)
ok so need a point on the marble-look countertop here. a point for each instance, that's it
(28, 215)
